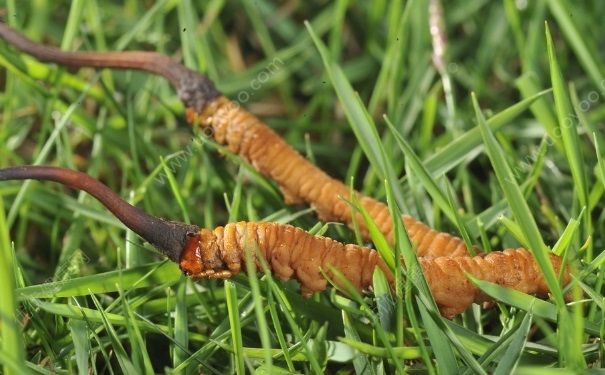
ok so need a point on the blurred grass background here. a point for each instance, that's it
(103, 303)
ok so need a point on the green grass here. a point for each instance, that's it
(504, 146)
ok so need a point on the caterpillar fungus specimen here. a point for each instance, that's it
(291, 252)
(299, 180)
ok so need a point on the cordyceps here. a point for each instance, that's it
(299, 180)
(293, 253)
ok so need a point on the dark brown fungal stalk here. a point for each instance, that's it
(299, 180)
(194, 89)
(167, 236)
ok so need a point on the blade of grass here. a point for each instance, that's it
(81, 344)
(440, 346)
(138, 277)
(234, 206)
(541, 108)
(385, 305)
(595, 264)
(139, 354)
(381, 333)
(257, 298)
(459, 222)
(569, 133)
(94, 316)
(73, 22)
(126, 365)
(288, 313)
(219, 338)
(181, 325)
(531, 233)
(518, 204)
(141, 25)
(392, 61)
(414, 272)
(525, 302)
(359, 119)
(456, 343)
(494, 353)
(455, 152)
(600, 161)
(174, 188)
(44, 152)
(236, 330)
(279, 331)
(403, 353)
(562, 12)
(515, 230)
(510, 359)
(12, 342)
(422, 173)
(378, 238)
(399, 275)
(361, 363)
(564, 241)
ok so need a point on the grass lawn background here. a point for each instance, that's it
(519, 166)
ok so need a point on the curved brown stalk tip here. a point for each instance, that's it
(167, 236)
(194, 89)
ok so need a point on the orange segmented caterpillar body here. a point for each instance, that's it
(288, 251)
(292, 252)
(512, 268)
(299, 180)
